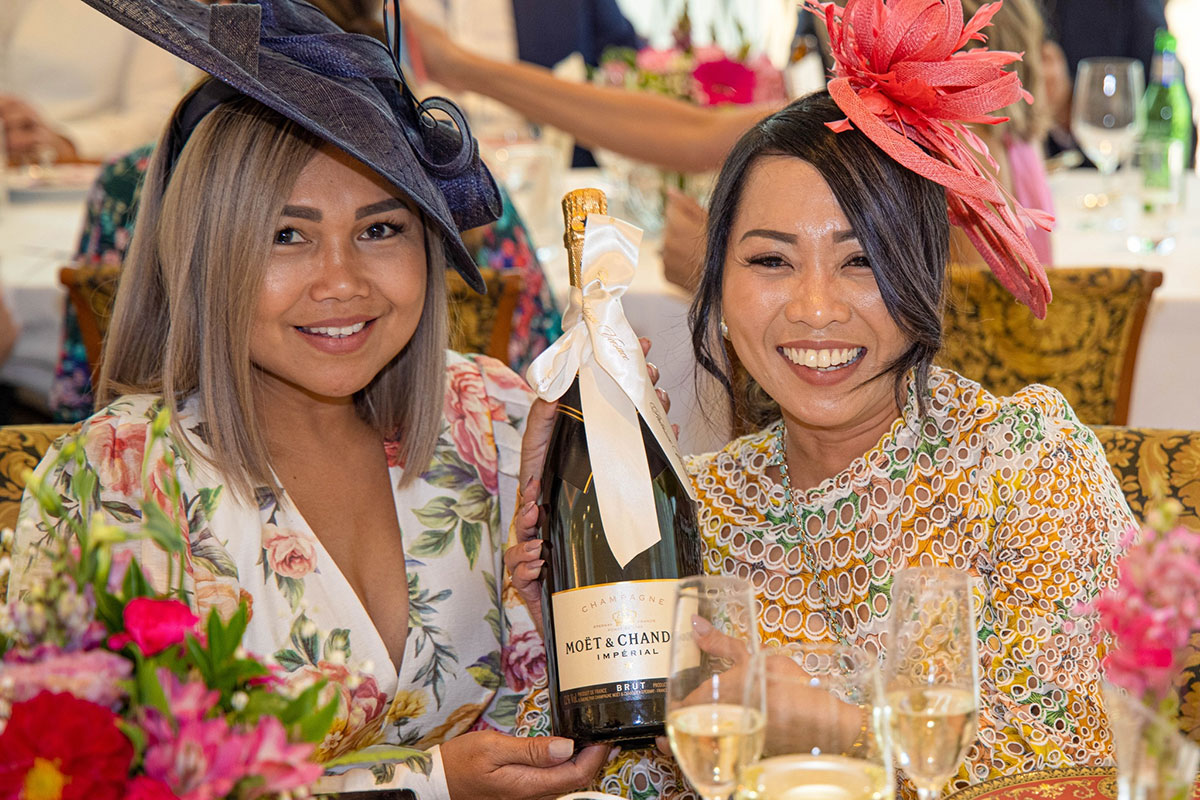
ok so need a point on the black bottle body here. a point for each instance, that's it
(608, 628)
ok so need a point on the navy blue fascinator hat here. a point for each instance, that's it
(346, 88)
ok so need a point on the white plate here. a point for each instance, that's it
(59, 182)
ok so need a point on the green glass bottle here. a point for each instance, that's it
(1167, 140)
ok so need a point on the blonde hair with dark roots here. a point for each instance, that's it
(191, 281)
(1018, 26)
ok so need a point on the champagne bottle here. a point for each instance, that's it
(608, 627)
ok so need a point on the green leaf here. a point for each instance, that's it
(135, 584)
(384, 773)
(433, 543)
(504, 713)
(148, 687)
(411, 757)
(493, 618)
(437, 513)
(289, 659)
(475, 504)
(449, 471)
(161, 528)
(338, 641)
(472, 535)
(83, 483)
(121, 512)
(304, 637)
(314, 727)
(486, 671)
(208, 500)
(292, 589)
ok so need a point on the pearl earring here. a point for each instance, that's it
(724, 329)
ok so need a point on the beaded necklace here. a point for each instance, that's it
(831, 616)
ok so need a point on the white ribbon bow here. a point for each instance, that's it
(599, 345)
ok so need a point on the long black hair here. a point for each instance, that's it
(899, 217)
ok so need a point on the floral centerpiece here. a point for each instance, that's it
(110, 689)
(1150, 616)
(707, 75)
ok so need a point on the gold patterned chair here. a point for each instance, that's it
(92, 291)
(1086, 347)
(1150, 463)
(482, 323)
(21, 448)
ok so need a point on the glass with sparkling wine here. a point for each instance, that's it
(827, 736)
(715, 711)
(932, 674)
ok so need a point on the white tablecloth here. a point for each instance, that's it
(1164, 388)
(37, 237)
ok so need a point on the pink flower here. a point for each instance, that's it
(116, 451)
(523, 660)
(1151, 612)
(143, 788)
(769, 86)
(203, 760)
(659, 62)
(94, 675)
(724, 81)
(470, 412)
(361, 709)
(280, 765)
(502, 377)
(188, 702)
(154, 624)
(289, 553)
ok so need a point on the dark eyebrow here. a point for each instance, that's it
(380, 207)
(845, 235)
(766, 233)
(302, 212)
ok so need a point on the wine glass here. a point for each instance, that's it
(715, 711)
(827, 736)
(932, 674)
(1104, 113)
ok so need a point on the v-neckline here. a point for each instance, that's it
(363, 621)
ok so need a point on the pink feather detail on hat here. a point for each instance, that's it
(902, 78)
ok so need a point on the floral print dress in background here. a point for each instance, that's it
(472, 651)
(1013, 490)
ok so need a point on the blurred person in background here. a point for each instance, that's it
(540, 32)
(1097, 29)
(74, 85)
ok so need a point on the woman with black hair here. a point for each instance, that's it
(825, 271)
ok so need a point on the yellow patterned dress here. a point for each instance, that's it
(1014, 490)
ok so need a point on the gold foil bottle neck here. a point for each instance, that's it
(576, 206)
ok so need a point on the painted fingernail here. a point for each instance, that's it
(701, 626)
(533, 546)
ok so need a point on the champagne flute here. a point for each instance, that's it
(827, 736)
(932, 675)
(1104, 113)
(715, 711)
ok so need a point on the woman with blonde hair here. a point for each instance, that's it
(341, 473)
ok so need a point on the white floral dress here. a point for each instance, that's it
(472, 651)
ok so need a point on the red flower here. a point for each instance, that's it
(143, 788)
(154, 625)
(58, 747)
(724, 81)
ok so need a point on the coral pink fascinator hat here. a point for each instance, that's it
(903, 80)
